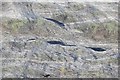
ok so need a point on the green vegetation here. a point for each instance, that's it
(111, 26)
(65, 17)
(105, 31)
(40, 22)
(23, 26)
(97, 13)
(43, 5)
(75, 6)
(14, 24)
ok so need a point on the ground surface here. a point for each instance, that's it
(32, 46)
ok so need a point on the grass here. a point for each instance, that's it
(17, 26)
(75, 6)
(40, 22)
(107, 30)
(13, 24)
(64, 17)
(112, 26)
